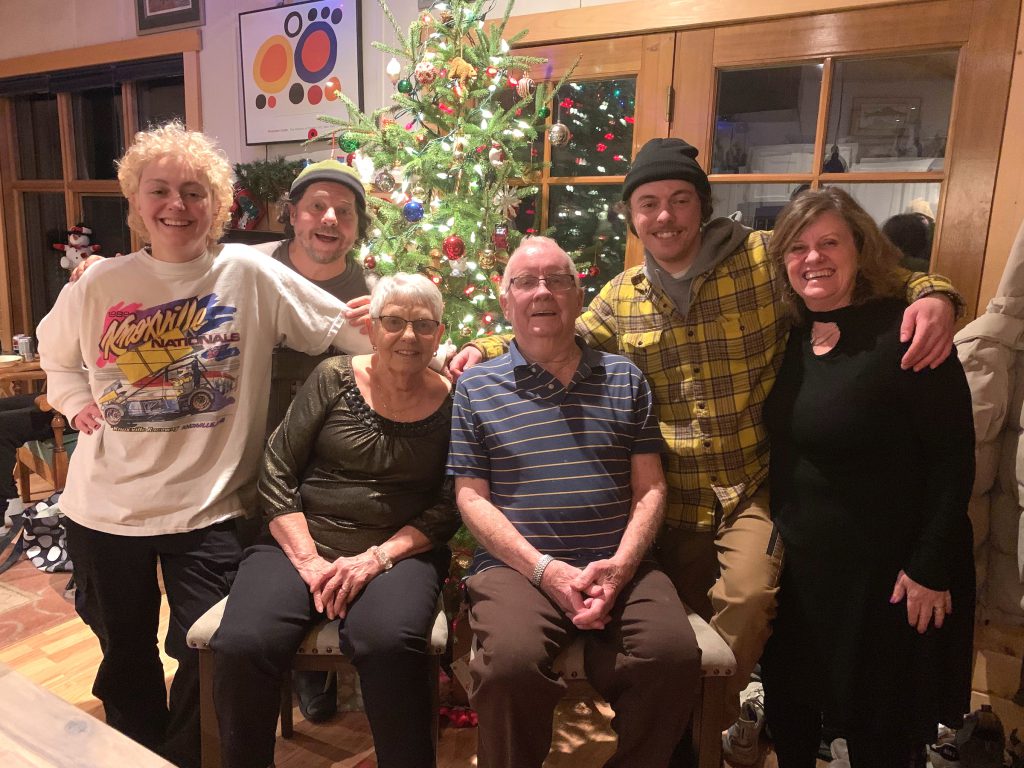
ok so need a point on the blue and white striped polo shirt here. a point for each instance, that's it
(557, 458)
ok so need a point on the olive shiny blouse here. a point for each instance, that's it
(356, 476)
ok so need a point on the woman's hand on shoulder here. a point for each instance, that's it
(923, 605)
(342, 582)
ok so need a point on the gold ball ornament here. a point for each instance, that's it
(384, 181)
(559, 135)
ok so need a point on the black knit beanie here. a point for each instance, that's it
(661, 159)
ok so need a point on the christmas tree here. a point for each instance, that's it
(448, 160)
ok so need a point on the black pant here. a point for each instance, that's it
(20, 421)
(385, 634)
(118, 577)
(796, 732)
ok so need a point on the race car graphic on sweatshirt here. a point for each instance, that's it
(171, 366)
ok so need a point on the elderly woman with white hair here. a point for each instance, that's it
(162, 358)
(359, 512)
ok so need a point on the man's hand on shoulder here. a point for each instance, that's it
(78, 271)
(930, 322)
(466, 358)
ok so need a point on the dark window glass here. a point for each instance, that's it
(45, 224)
(160, 100)
(99, 136)
(891, 114)
(38, 132)
(765, 120)
(106, 216)
(586, 225)
(598, 115)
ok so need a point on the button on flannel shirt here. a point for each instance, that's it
(710, 372)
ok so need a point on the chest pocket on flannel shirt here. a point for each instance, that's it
(643, 348)
(746, 335)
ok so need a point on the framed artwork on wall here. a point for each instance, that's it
(164, 15)
(295, 59)
(885, 117)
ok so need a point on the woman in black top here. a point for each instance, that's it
(871, 472)
(359, 511)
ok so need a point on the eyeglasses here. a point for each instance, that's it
(396, 324)
(554, 283)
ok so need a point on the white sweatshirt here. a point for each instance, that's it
(177, 356)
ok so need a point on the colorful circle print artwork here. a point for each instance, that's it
(296, 60)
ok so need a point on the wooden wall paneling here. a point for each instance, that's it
(6, 202)
(146, 47)
(906, 27)
(1008, 201)
(638, 16)
(597, 59)
(980, 104)
(693, 109)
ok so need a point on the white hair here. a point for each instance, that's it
(403, 287)
(533, 243)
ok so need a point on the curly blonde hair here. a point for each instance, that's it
(878, 271)
(197, 152)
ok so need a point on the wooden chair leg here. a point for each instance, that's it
(435, 698)
(208, 726)
(287, 725)
(24, 488)
(707, 732)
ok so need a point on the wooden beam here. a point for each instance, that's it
(640, 17)
(148, 47)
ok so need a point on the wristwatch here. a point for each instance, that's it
(382, 557)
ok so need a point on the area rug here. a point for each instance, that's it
(30, 602)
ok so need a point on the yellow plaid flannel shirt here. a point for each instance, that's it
(710, 373)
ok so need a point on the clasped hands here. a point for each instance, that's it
(334, 585)
(586, 595)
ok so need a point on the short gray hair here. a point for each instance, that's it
(403, 287)
(534, 242)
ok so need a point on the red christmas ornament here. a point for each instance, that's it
(488, 318)
(500, 238)
(594, 271)
(454, 247)
(350, 158)
(311, 134)
(469, 289)
(370, 262)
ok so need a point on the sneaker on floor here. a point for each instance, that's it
(741, 743)
(945, 755)
(839, 750)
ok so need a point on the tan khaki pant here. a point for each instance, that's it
(730, 577)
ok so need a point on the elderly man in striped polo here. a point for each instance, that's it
(556, 454)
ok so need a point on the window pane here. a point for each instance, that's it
(160, 100)
(883, 201)
(38, 132)
(757, 204)
(599, 117)
(765, 120)
(586, 225)
(892, 114)
(106, 216)
(45, 224)
(99, 138)
(523, 153)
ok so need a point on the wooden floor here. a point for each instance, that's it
(63, 659)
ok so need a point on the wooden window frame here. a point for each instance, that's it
(15, 304)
